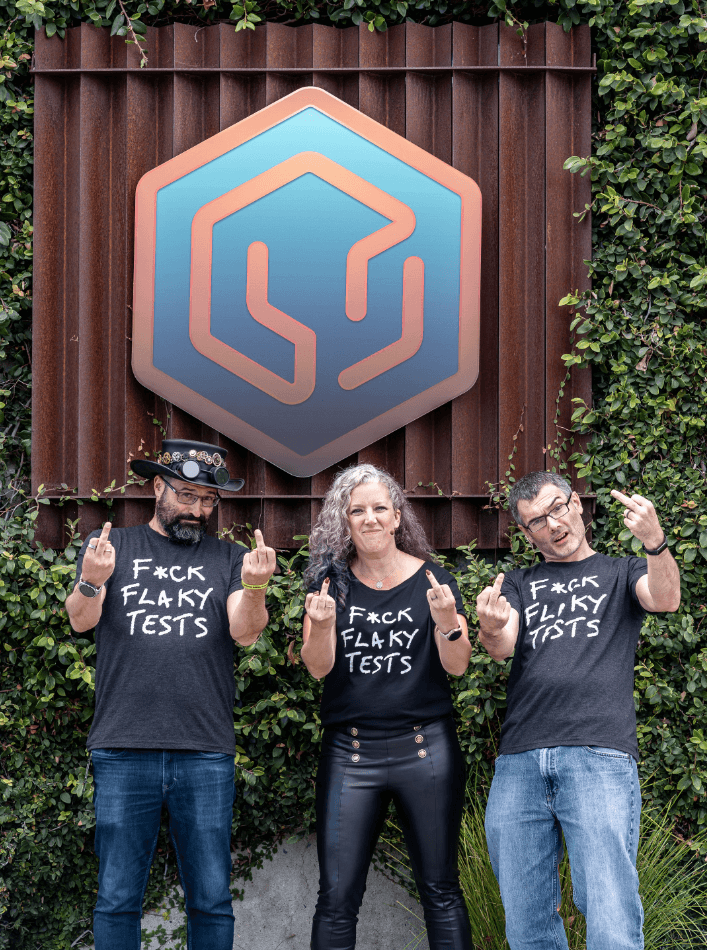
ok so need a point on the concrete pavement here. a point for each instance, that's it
(277, 907)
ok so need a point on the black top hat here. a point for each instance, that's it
(196, 463)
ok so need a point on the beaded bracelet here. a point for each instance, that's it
(255, 586)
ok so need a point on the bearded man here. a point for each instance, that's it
(167, 603)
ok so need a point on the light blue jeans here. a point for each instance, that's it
(131, 788)
(592, 796)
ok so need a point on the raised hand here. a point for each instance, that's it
(99, 558)
(320, 607)
(443, 607)
(259, 564)
(641, 519)
(492, 607)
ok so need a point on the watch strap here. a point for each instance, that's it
(661, 547)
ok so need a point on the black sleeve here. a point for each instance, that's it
(637, 567)
(236, 565)
(510, 588)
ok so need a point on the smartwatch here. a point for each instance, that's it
(661, 547)
(88, 589)
(452, 635)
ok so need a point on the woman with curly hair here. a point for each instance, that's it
(385, 625)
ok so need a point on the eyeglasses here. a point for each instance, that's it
(189, 498)
(559, 511)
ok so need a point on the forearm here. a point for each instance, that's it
(663, 581)
(454, 656)
(84, 612)
(319, 650)
(249, 618)
(499, 644)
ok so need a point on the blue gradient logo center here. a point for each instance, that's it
(308, 226)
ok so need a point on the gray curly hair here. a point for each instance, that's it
(331, 550)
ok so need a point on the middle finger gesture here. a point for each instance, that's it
(492, 608)
(320, 607)
(259, 564)
(443, 607)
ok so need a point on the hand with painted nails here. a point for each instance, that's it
(641, 519)
(320, 607)
(442, 604)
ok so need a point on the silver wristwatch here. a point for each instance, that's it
(88, 589)
(452, 635)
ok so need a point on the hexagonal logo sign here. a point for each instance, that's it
(306, 281)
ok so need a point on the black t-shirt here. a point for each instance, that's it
(164, 661)
(571, 680)
(387, 672)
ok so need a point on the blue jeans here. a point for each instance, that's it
(131, 786)
(592, 796)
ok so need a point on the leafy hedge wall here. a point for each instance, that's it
(643, 329)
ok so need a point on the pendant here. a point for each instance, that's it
(379, 584)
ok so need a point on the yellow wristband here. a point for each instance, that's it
(255, 586)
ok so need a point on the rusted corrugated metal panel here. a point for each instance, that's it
(475, 152)
(474, 97)
(521, 256)
(335, 48)
(569, 243)
(428, 105)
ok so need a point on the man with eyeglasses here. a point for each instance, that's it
(168, 603)
(568, 751)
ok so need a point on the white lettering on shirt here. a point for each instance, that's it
(137, 565)
(128, 592)
(133, 614)
(535, 586)
(182, 618)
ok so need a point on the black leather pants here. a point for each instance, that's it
(422, 771)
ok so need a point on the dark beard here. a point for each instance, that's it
(177, 530)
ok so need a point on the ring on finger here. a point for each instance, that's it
(92, 547)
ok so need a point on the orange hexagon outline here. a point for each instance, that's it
(221, 419)
(401, 225)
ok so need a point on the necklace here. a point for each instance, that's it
(379, 584)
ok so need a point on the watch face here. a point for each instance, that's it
(454, 635)
(88, 590)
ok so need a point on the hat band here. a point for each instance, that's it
(166, 458)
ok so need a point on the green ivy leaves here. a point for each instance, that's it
(642, 329)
